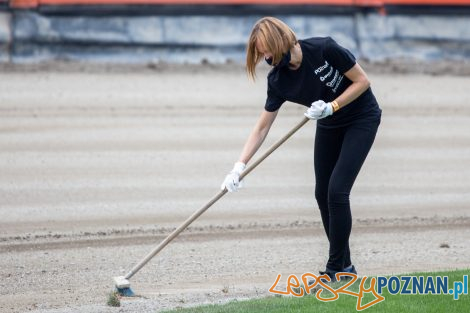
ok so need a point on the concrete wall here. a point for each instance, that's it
(5, 36)
(36, 37)
(420, 37)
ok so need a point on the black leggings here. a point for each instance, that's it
(339, 155)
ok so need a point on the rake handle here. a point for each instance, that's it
(214, 199)
(273, 147)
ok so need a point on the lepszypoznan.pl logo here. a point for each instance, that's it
(405, 285)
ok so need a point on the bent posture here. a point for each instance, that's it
(324, 77)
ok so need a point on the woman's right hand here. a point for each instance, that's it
(232, 180)
(258, 134)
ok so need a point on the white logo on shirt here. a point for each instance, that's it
(332, 82)
(322, 78)
(337, 78)
(321, 68)
(337, 83)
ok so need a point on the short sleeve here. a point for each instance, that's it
(273, 102)
(340, 58)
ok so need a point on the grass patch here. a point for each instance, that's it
(398, 303)
(113, 299)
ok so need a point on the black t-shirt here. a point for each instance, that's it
(320, 77)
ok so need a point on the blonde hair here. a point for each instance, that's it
(274, 35)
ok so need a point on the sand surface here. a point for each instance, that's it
(97, 167)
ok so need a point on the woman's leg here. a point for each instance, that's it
(356, 144)
(326, 152)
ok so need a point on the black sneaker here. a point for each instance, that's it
(351, 269)
(332, 274)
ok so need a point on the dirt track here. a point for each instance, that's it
(97, 167)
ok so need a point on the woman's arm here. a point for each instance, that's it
(257, 135)
(360, 83)
(254, 141)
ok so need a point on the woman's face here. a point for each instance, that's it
(262, 50)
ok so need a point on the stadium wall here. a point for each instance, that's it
(142, 31)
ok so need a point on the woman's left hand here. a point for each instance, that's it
(319, 109)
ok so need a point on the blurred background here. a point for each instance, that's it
(120, 118)
(215, 31)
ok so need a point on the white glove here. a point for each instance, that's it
(319, 109)
(232, 180)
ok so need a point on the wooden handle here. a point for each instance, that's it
(214, 199)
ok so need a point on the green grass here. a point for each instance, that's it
(346, 303)
(113, 299)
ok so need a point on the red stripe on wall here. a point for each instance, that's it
(362, 3)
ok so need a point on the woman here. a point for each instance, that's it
(323, 76)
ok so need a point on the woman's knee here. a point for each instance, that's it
(337, 198)
(321, 195)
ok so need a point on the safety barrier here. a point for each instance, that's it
(30, 34)
(347, 3)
